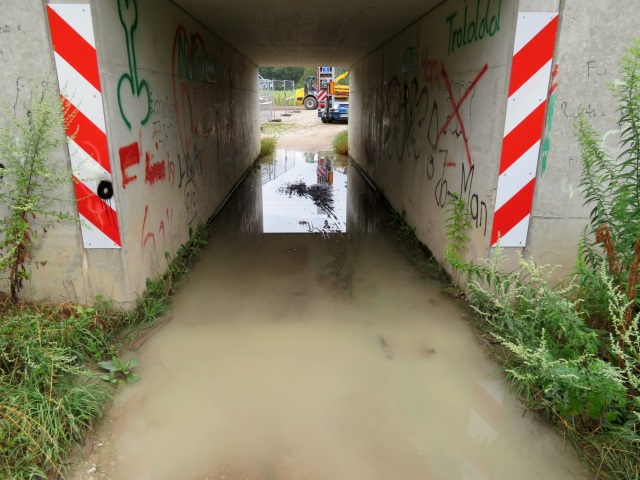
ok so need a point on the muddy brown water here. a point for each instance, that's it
(317, 356)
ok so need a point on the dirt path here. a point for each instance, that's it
(303, 131)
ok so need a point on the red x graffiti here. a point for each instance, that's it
(456, 107)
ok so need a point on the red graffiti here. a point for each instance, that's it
(431, 69)
(149, 234)
(172, 173)
(129, 156)
(456, 107)
(554, 84)
(153, 171)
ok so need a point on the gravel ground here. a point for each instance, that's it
(302, 131)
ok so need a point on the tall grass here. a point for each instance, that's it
(341, 143)
(267, 146)
(49, 396)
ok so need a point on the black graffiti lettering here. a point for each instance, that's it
(478, 212)
(466, 182)
(431, 167)
(405, 111)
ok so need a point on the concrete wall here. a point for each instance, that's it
(25, 55)
(177, 145)
(427, 117)
(195, 127)
(592, 38)
(407, 136)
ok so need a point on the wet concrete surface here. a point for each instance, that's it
(318, 356)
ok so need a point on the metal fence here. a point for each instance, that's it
(275, 95)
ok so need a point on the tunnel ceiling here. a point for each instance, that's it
(298, 33)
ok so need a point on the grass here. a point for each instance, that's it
(51, 393)
(48, 396)
(341, 143)
(271, 129)
(267, 146)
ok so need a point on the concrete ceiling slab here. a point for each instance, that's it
(296, 33)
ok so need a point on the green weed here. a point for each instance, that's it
(611, 189)
(48, 398)
(31, 178)
(267, 146)
(118, 371)
(405, 231)
(341, 143)
(574, 349)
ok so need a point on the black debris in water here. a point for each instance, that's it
(320, 194)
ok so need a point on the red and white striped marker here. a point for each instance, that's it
(321, 97)
(76, 62)
(528, 93)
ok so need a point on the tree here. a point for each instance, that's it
(281, 73)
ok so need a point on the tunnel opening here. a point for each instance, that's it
(446, 98)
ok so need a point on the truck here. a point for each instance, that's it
(312, 97)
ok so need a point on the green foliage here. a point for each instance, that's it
(157, 298)
(585, 379)
(341, 143)
(612, 189)
(267, 146)
(280, 97)
(119, 372)
(282, 73)
(406, 232)
(573, 350)
(47, 397)
(31, 178)
(457, 226)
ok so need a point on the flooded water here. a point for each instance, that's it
(321, 356)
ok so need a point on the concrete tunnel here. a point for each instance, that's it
(474, 97)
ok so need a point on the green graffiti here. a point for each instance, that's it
(473, 29)
(128, 12)
(191, 58)
(409, 59)
(547, 141)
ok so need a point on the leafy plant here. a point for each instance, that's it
(457, 225)
(119, 372)
(573, 350)
(611, 188)
(31, 179)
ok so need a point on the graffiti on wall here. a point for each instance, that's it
(473, 25)
(177, 128)
(133, 93)
(549, 124)
(429, 119)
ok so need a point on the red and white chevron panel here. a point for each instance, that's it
(76, 62)
(528, 92)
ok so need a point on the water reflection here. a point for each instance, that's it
(319, 357)
(304, 193)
